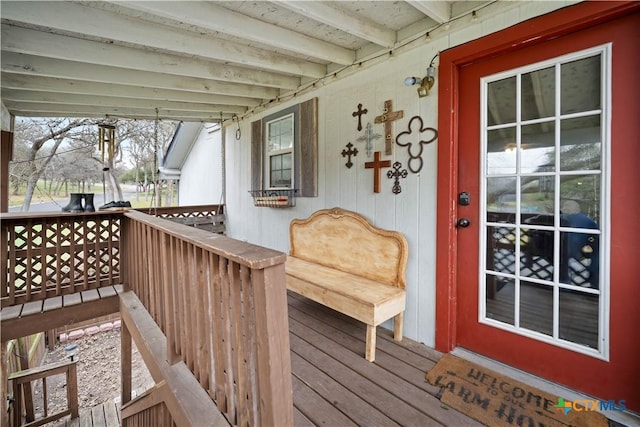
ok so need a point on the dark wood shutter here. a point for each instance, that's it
(256, 155)
(308, 158)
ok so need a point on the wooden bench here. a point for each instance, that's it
(338, 259)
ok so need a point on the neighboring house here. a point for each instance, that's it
(512, 95)
(194, 158)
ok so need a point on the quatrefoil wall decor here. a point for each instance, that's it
(409, 137)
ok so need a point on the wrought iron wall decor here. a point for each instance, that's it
(359, 113)
(396, 174)
(404, 139)
(349, 151)
(387, 117)
(368, 137)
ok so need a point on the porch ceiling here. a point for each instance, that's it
(192, 61)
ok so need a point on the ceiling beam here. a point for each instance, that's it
(216, 18)
(25, 96)
(111, 27)
(50, 84)
(228, 93)
(32, 109)
(439, 11)
(22, 40)
(343, 20)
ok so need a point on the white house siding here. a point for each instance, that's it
(201, 177)
(413, 211)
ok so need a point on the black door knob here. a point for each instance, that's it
(463, 222)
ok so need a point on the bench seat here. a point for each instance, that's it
(363, 299)
(338, 259)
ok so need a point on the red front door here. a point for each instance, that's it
(547, 153)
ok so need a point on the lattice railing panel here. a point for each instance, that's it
(58, 254)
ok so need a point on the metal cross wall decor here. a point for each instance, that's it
(359, 113)
(396, 174)
(377, 166)
(387, 117)
(410, 136)
(349, 151)
(368, 136)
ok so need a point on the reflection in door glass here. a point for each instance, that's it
(536, 307)
(543, 191)
(579, 317)
(500, 299)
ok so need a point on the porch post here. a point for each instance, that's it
(4, 373)
(6, 155)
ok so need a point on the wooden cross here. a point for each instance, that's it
(350, 152)
(377, 166)
(359, 113)
(387, 117)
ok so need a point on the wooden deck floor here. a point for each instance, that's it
(334, 385)
(105, 415)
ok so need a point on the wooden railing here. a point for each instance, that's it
(148, 409)
(52, 254)
(194, 211)
(218, 305)
(221, 304)
(22, 390)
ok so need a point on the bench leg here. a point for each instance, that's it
(370, 352)
(397, 326)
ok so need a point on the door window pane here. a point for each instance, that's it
(543, 197)
(538, 149)
(500, 299)
(536, 307)
(501, 197)
(580, 143)
(538, 94)
(501, 101)
(501, 146)
(581, 85)
(536, 253)
(579, 317)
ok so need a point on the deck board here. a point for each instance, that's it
(334, 346)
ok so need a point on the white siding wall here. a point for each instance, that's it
(412, 212)
(201, 177)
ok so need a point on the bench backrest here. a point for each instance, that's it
(345, 240)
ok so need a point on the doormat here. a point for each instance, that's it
(497, 400)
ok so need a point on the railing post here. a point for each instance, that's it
(126, 240)
(273, 351)
(125, 362)
(169, 302)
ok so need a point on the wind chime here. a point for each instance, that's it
(106, 140)
(106, 144)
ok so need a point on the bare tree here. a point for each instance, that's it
(43, 138)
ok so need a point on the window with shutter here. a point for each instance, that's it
(284, 150)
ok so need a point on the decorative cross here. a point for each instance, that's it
(377, 166)
(387, 117)
(359, 113)
(404, 139)
(349, 152)
(397, 174)
(368, 136)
